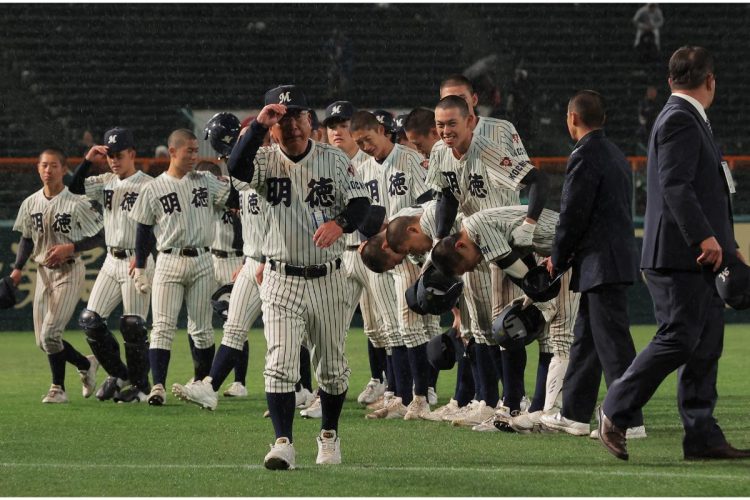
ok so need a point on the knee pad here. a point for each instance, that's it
(133, 329)
(94, 325)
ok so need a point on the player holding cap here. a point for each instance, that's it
(313, 197)
(56, 226)
(116, 192)
(178, 209)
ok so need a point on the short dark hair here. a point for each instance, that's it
(420, 121)
(454, 101)
(589, 105)
(457, 79)
(178, 137)
(364, 120)
(445, 257)
(57, 152)
(689, 66)
(396, 233)
(373, 256)
(208, 166)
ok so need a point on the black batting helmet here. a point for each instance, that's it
(539, 285)
(441, 353)
(733, 284)
(222, 131)
(515, 327)
(220, 300)
(8, 293)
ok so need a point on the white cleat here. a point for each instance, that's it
(329, 448)
(372, 391)
(281, 456)
(478, 414)
(88, 377)
(382, 401)
(236, 390)
(56, 394)
(432, 397)
(461, 411)
(631, 433)
(488, 425)
(418, 409)
(524, 405)
(200, 393)
(557, 422)
(303, 398)
(394, 409)
(437, 415)
(315, 410)
(526, 423)
(157, 396)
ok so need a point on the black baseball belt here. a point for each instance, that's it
(223, 255)
(187, 251)
(120, 253)
(307, 272)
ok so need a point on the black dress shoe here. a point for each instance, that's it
(612, 437)
(723, 452)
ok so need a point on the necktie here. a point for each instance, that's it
(708, 124)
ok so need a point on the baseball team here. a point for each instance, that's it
(409, 218)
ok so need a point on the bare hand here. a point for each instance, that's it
(550, 267)
(58, 254)
(456, 321)
(259, 273)
(710, 253)
(271, 114)
(131, 267)
(327, 234)
(235, 273)
(15, 275)
(96, 153)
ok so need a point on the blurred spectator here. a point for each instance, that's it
(518, 104)
(161, 151)
(648, 19)
(341, 62)
(84, 143)
(648, 110)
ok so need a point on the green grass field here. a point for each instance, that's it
(90, 448)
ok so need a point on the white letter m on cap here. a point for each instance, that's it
(284, 97)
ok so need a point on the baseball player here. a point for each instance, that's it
(484, 237)
(56, 226)
(337, 122)
(395, 178)
(116, 192)
(420, 130)
(313, 197)
(178, 209)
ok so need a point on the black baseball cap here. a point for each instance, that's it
(385, 118)
(342, 110)
(288, 95)
(118, 139)
(400, 121)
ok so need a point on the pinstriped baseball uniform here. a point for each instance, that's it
(504, 133)
(114, 284)
(302, 196)
(396, 184)
(362, 280)
(66, 218)
(182, 213)
(244, 301)
(224, 267)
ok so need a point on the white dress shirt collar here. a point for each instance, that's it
(697, 105)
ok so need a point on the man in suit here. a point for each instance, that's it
(595, 236)
(688, 226)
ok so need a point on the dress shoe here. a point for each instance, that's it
(612, 437)
(723, 452)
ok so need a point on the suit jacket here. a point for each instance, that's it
(688, 196)
(595, 232)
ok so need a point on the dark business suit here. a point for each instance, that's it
(595, 236)
(688, 201)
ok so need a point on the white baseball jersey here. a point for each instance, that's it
(117, 198)
(397, 182)
(358, 159)
(504, 133)
(223, 230)
(254, 215)
(301, 197)
(487, 176)
(66, 218)
(491, 229)
(163, 203)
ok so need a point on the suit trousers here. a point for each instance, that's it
(689, 339)
(602, 344)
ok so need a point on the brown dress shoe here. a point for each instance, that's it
(612, 437)
(723, 452)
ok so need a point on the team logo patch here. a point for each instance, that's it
(284, 97)
(112, 139)
(62, 223)
(397, 184)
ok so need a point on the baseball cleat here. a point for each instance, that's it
(108, 389)
(478, 414)
(130, 394)
(557, 422)
(631, 433)
(460, 412)
(236, 390)
(88, 377)
(373, 390)
(200, 393)
(313, 411)
(437, 415)
(394, 409)
(157, 396)
(56, 394)
(432, 397)
(382, 401)
(281, 456)
(267, 414)
(487, 425)
(526, 423)
(303, 398)
(329, 448)
(418, 409)
(503, 417)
